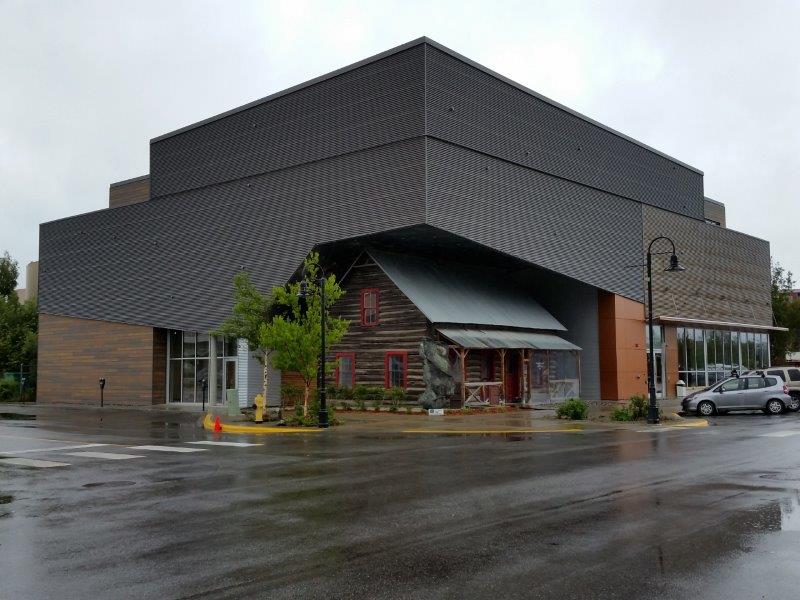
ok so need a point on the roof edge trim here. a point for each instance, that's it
(719, 323)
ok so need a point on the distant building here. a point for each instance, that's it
(794, 294)
(31, 290)
(417, 152)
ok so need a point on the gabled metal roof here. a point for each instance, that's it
(454, 293)
(493, 339)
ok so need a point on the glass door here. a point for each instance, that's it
(659, 364)
(228, 376)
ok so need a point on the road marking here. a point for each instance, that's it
(490, 431)
(52, 449)
(232, 444)
(168, 449)
(105, 455)
(780, 434)
(31, 462)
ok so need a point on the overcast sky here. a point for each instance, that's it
(84, 85)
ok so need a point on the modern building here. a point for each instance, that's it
(499, 218)
(31, 289)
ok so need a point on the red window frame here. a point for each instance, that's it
(362, 310)
(352, 357)
(386, 375)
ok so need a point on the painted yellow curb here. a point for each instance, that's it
(229, 428)
(692, 423)
(489, 431)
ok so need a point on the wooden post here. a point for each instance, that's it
(502, 373)
(525, 366)
(462, 353)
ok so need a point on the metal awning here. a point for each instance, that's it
(492, 339)
(726, 324)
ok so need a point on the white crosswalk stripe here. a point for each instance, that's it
(51, 449)
(232, 444)
(780, 434)
(168, 449)
(32, 462)
(105, 455)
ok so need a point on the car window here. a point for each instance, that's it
(794, 374)
(732, 385)
(770, 381)
(754, 383)
(777, 374)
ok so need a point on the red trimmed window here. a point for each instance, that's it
(345, 372)
(370, 307)
(396, 369)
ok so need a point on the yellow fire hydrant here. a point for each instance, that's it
(259, 404)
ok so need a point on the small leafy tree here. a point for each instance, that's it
(293, 334)
(786, 313)
(251, 309)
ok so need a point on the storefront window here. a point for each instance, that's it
(706, 356)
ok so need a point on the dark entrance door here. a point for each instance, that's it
(511, 377)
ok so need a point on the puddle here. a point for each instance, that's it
(109, 484)
(6, 499)
(16, 417)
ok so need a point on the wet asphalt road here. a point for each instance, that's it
(708, 513)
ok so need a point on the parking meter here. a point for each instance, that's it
(102, 386)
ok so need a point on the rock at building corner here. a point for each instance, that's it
(437, 374)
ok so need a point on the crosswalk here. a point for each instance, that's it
(103, 452)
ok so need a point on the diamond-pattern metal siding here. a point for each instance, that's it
(371, 105)
(727, 275)
(563, 226)
(169, 263)
(470, 107)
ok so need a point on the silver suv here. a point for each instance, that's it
(790, 376)
(767, 393)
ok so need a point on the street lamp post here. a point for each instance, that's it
(652, 408)
(322, 416)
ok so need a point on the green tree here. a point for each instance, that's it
(19, 323)
(293, 334)
(251, 309)
(786, 313)
(9, 271)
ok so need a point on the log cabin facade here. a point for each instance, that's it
(491, 340)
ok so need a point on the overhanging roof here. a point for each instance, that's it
(454, 293)
(727, 324)
(505, 338)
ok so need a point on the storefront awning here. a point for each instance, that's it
(505, 338)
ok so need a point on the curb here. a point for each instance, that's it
(228, 428)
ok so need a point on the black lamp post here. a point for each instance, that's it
(322, 416)
(652, 408)
(204, 387)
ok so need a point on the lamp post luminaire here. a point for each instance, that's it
(322, 416)
(674, 266)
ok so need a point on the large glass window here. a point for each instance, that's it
(706, 356)
(188, 365)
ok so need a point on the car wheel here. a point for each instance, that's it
(794, 405)
(774, 407)
(705, 408)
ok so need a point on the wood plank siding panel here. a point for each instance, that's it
(129, 192)
(401, 327)
(75, 353)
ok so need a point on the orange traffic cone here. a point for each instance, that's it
(217, 425)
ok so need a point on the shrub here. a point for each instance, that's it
(621, 413)
(408, 410)
(573, 408)
(637, 407)
(291, 393)
(360, 392)
(360, 404)
(9, 390)
(395, 396)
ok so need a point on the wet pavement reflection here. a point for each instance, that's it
(365, 513)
